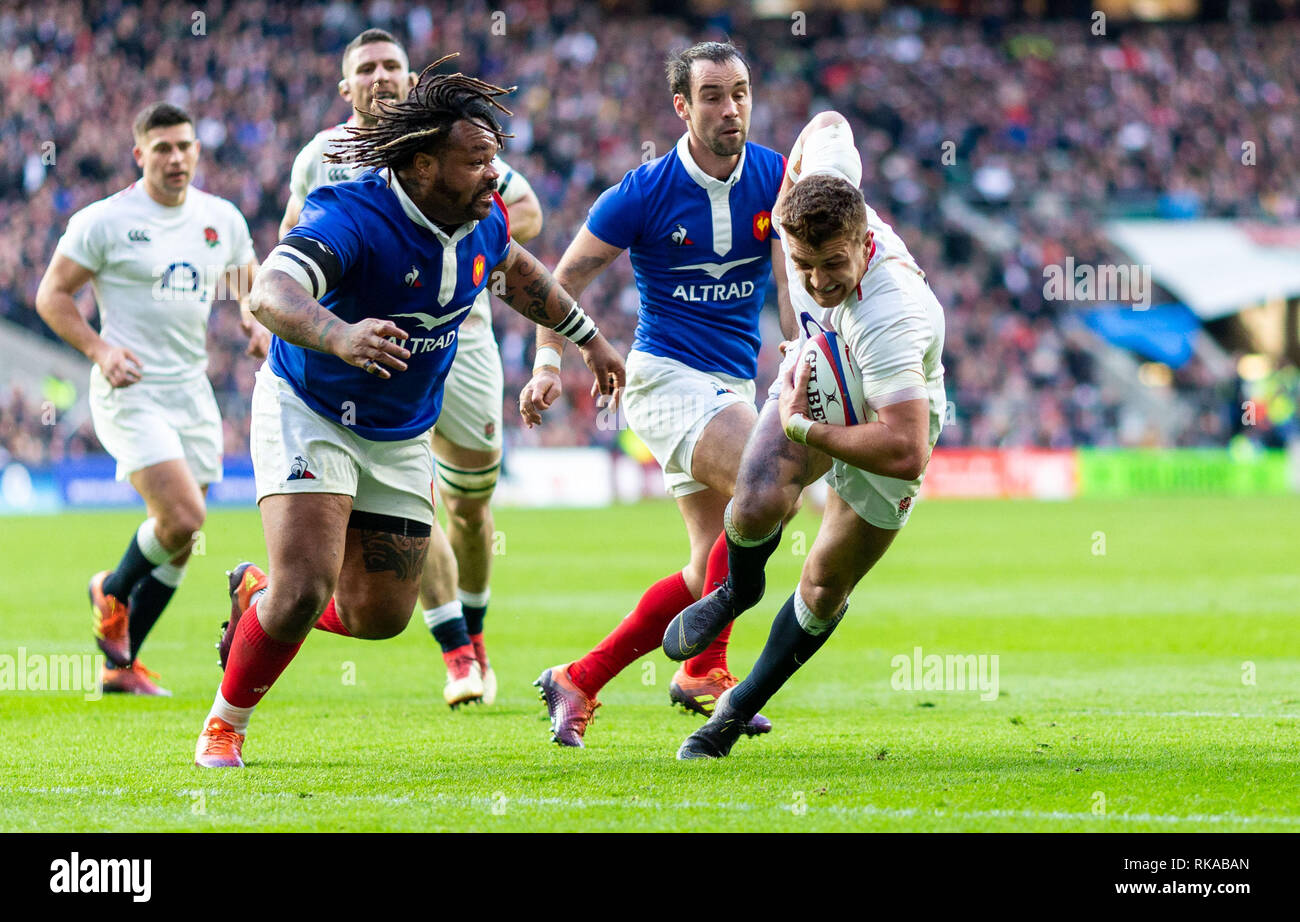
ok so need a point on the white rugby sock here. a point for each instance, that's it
(146, 536)
(476, 599)
(442, 614)
(169, 574)
(810, 623)
(735, 537)
(236, 717)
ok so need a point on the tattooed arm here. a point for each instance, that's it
(534, 293)
(286, 309)
(585, 258)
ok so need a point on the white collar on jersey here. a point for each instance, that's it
(416, 215)
(703, 179)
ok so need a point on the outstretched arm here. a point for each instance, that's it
(586, 257)
(839, 159)
(534, 293)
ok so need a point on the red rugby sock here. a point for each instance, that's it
(636, 635)
(715, 654)
(329, 621)
(256, 661)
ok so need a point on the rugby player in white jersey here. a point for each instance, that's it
(849, 272)
(454, 590)
(156, 255)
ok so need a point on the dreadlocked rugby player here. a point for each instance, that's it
(454, 591)
(156, 254)
(856, 277)
(342, 409)
(698, 224)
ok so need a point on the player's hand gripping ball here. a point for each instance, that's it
(834, 382)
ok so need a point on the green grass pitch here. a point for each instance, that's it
(1155, 687)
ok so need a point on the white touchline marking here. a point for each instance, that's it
(1109, 713)
(580, 802)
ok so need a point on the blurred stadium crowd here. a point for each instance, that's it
(1048, 125)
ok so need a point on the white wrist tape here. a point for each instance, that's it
(577, 328)
(546, 356)
(796, 429)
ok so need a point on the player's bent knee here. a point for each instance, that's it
(474, 484)
(374, 615)
(178, 525)
(375, 623)
(760, 509)
(825, 600)
(469, 512)
(295, 606)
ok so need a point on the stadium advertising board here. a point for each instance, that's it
(592, 477)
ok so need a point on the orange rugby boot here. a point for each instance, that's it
(135, 679)
(700, 694)
(219, 746)
(111, 617)
(243, 581)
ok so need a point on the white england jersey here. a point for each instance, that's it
(892, 324)
(310, 169)
(157, 270)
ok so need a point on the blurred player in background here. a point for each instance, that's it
(698, 224)
(342, 410)
(156, 255)
(854, 275)
(454, 591)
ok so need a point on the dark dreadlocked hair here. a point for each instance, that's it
(422, 122)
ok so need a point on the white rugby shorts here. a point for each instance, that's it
(296, 450)
(471, 396)
(147, 423)
(668, 404)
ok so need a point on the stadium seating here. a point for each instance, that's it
(1050, 129)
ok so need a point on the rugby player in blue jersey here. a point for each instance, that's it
(342, 409)
(697, 223)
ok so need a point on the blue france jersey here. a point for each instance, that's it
(392, 264)
(702, 254)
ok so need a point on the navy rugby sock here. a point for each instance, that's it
(789, 646)
(447, 625)
(148, 599)
(472, 609)
(746, 561)
(143, 554)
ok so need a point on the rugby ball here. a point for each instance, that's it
(835, 385)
